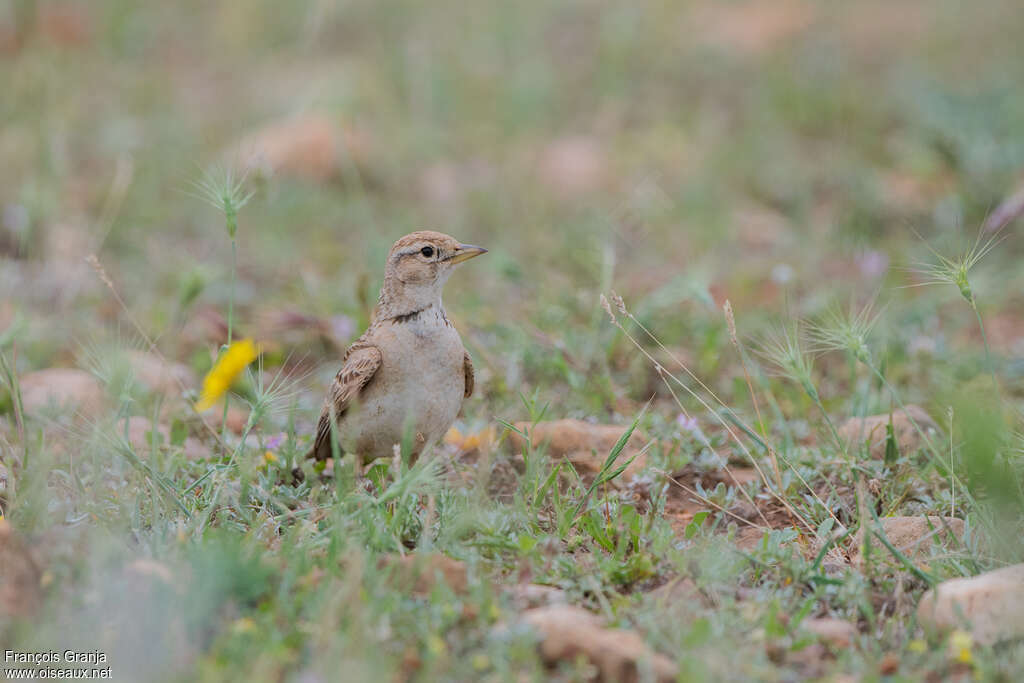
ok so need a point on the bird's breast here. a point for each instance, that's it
(420, 385)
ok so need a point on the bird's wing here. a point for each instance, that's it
(467, 366)
(360, 363)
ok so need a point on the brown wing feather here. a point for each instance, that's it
(358, 367)
(467, 365)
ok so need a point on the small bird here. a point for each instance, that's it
(409, 372)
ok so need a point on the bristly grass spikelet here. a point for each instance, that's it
(785, 348)
(224, 190)
(956, 271)
(270, 398)
(848, 331)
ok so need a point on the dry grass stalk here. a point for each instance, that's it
(664, 375)
(731, 322)
(732, 434)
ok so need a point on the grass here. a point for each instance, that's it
(767, 185)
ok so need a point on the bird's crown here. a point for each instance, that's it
(415, 241)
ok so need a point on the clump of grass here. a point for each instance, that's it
(666, 376)
(849, 332)
(609, 468)
(267, 399)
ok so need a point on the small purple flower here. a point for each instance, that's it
(274, 442)
(342, 327)
(873, 264)
(690, 425)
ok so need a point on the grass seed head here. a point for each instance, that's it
(956, 270)
(731, 322)
(785, 348)
(224, 190)
(275, 396)
(848, 331)
(608, 309)
(619, 303)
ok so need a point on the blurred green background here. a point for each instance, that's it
(663, 148)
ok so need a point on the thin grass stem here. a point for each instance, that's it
(732, 434)
(988, 351)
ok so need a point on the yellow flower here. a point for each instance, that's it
(225, 371)
(469, 442)
(243, 625)
(917, 645)
(960, 644)
(435, 645)
(269, 457)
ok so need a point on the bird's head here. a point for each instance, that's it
(418, 266)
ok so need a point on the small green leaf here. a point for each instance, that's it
(179, 432)
(699, 634)
(824, 528)
(694, 526)
(773, 626)
(620, 444)
(546, 485)
(892, 451)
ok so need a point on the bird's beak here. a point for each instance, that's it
(466, 252)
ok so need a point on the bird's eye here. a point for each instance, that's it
(427, 251)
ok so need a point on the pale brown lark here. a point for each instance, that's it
(408, 373)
